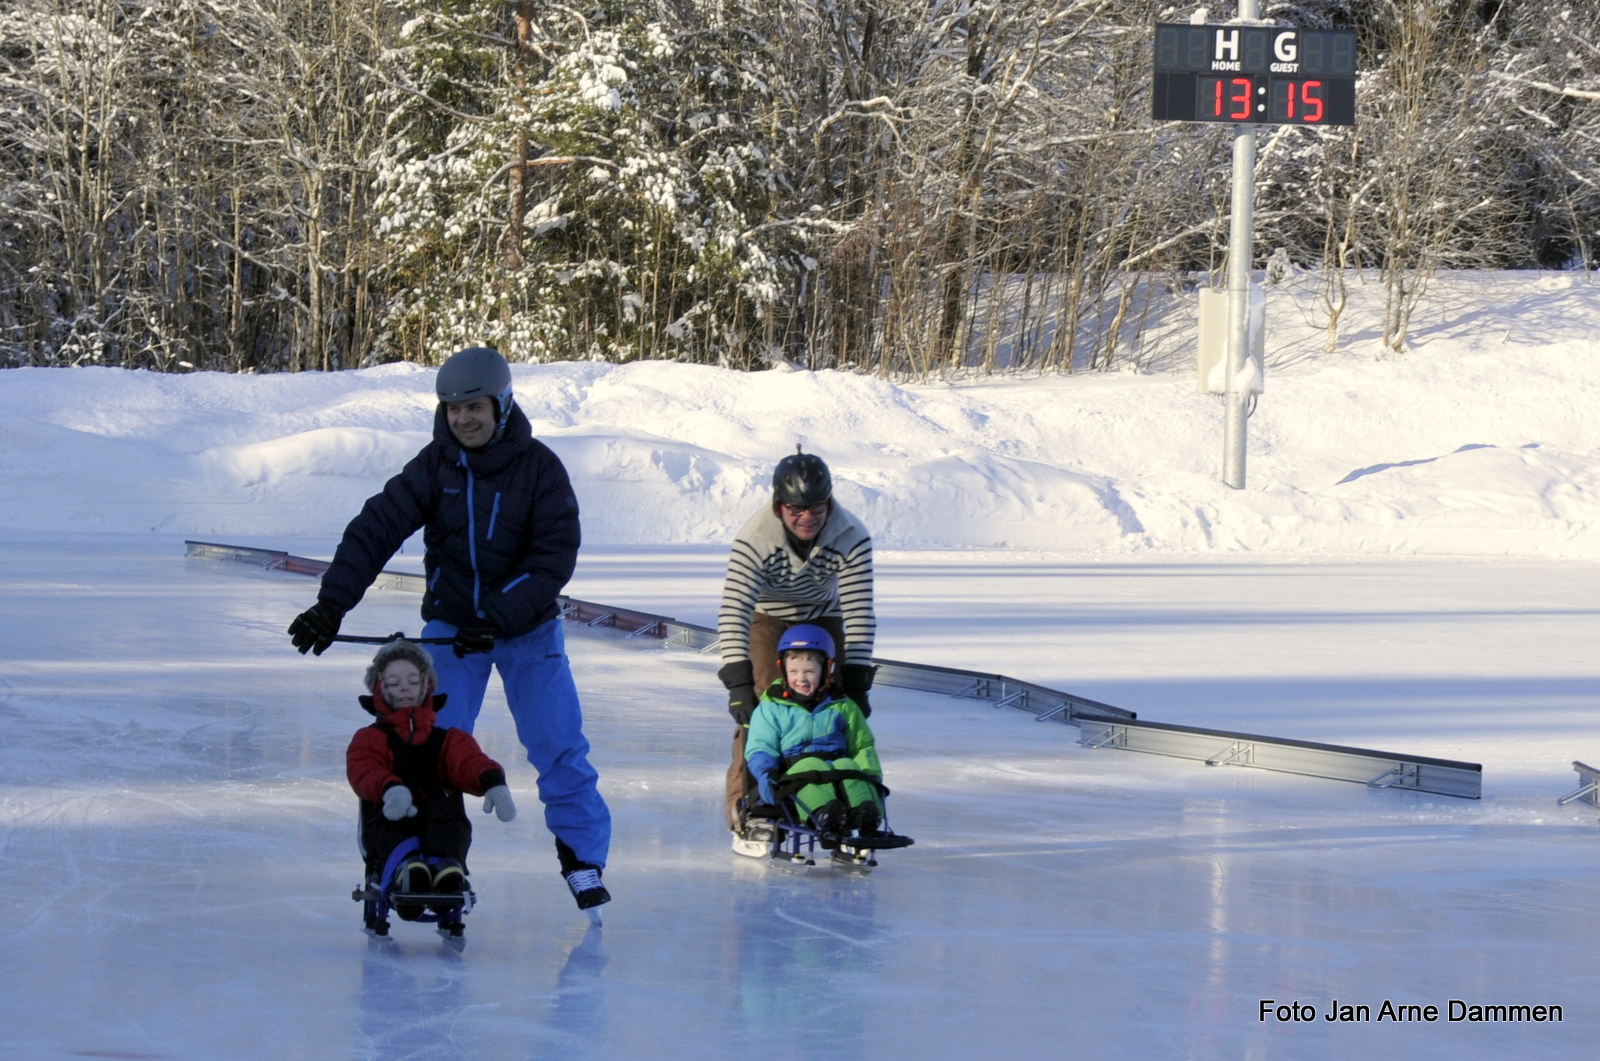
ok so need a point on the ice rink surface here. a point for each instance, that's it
(178, 837)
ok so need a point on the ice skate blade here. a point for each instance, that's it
(857, 864)
(594, 916)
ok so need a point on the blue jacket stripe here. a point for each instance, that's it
(472, 539)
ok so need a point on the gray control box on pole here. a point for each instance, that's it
(1211, 367)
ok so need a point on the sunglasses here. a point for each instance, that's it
(796, 511)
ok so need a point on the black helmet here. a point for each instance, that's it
(801, 479)
(476, 372)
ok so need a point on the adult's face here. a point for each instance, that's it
(472, 422)
(805, 522)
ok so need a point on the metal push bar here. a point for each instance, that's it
(1101, 725)
(1588, 788)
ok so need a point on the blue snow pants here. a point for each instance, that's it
(544, 704)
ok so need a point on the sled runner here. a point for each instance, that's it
(382, 893)
(778, 832)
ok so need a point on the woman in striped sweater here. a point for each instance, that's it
(802, 559)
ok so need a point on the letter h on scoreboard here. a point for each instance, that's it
(1265, 75)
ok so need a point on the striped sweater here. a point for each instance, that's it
(765, 573)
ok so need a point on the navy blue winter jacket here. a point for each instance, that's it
(502, 530)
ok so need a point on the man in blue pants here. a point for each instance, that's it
(501, 541)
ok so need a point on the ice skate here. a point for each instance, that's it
(757, 840)
(584, 883)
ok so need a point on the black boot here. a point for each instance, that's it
(866, 819)
(831, 821)
(449, 878)
(412, 878)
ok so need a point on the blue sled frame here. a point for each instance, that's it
(444, 909)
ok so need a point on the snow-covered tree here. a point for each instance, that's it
(565, 183)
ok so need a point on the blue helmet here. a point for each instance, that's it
(807, 637)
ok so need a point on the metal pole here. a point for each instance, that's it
(1241, 256)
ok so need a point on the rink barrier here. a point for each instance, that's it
(1002, 691)
(1100, 725)
(1215, 747)
(277, 560)
(1588, 786)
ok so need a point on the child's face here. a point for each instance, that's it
(803, 672)
(402, 684)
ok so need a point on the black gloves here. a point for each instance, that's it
(478, 637)
(314, 629)
(740, 678)
(855, 679)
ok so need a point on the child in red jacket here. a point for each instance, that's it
(410, 774)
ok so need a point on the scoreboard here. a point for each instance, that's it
(1240, 75)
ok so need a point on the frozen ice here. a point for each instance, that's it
(179, 837)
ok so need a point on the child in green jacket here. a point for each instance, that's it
(804, 731)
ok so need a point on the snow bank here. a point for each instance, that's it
(1481, 440)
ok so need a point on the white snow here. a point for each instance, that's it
(178, 835)
(1479, 442)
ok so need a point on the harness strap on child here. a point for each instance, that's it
(411, 845)
(789, 784)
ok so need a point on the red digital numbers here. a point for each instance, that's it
(1300, 102)
(1227, 99)
(1274, 100)
(1244, 98)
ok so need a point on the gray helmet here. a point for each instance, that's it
(801, 479)
(477, 372)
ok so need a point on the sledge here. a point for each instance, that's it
(379, 892)
(786, 839)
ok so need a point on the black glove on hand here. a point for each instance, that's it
(479, 637)
(855, 679)
(740, 679)
(314, 629)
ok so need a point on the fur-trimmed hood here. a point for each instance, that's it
(413, 654)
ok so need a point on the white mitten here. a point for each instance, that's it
(498, 799)
(397, 803)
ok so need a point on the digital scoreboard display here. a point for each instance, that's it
(1254, 74)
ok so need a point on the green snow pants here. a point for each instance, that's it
(814, 796)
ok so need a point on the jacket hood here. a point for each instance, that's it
(411, 724)
(494, 457)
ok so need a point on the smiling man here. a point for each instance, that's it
(501, 541)
(801, 559)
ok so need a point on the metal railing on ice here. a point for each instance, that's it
(1100, 725)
